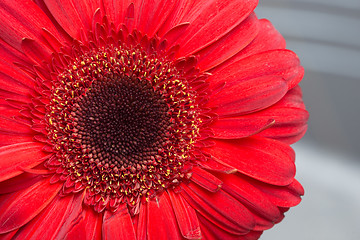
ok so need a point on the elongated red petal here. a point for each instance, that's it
(219, 208)
(290, 124)
(35, 51)
(17, 183)
(73, 15)
(13, 131)
(267, 39)
(56, 221)
(205, 179)
(13, 80)
(8, 236)
(264, 159)
(239, 127)
(47, 223)
(211, 20)
(174, 33)
(290, 118)
(152, 14)
(285, 121)
(10, 54)
(229, 45)
(71, 216)
(213, 232)
(283, 63)
(115, 10)
(186, 217)
(286, 197)
(87, 226)
(118, 225)
(243, 97)
(13, 126)
(251, 197)
(23, 19)
(20, 155)
(161, 220)
(217, 166)
(9, 138)
(26, 204)
(141, 231)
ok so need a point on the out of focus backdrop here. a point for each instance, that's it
(326, 36)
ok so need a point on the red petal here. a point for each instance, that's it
(287, 196)
(87, 226)
(9, 111)
(286, 121)
(219, 208)
(118, 225)
(115, 10)
(263, 223)
(142, 223)
(129, 18)
(282, 63)
(35, 51)
(25, 205)
(253, 235)
(55, 221)
(46, 225)
(289, 123)
(174, 33)
(229, 45)
(247, 96)
(8, 236)
(292, 99)
(239, 127)
(152, 14)
(210, 21)
(13, 80)
(267, 39)
(23, 19)
(17, 156)
(217, 165)
(7, 138)
(290, 118)
(18, 183)
(73, 15)
(10, 54)
(250, 196)
(264, 159)
(54, 43)
(13, 131)
(161, 220)
(213, 232)
(205, 179)
(71, 215)
(12, 126)
(186, 217)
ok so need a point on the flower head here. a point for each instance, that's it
(145, 120)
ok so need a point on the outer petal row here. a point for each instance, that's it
(23, 19)
(286, 120)
(264, 159)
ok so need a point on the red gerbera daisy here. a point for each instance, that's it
(125, 119)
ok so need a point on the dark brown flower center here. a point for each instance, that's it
(123, 124)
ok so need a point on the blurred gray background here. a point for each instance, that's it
(326, 36)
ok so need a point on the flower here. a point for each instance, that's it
(145, 120)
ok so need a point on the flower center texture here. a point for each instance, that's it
(123, 123)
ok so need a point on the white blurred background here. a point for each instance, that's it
(326, 36)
